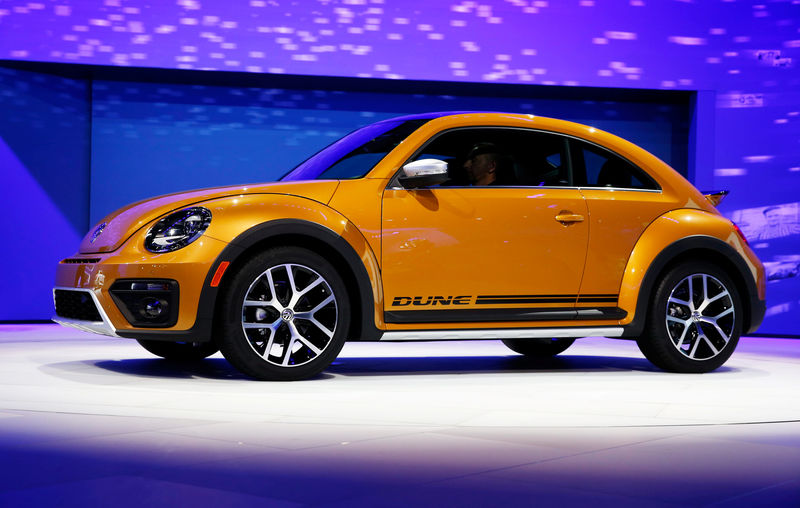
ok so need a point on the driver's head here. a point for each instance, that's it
(481, 163)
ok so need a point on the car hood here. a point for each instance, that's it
(120, 225)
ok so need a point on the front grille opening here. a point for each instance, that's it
(76, 305)
(82, 261)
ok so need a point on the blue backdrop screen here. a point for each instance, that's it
(150, 139)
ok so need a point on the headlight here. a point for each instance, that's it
(177, 230)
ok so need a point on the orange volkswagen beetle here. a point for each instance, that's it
(427, 227)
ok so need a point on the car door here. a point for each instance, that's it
(509, 252)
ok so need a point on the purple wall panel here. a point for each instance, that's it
(44, 163)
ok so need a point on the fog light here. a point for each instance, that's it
(153, 308)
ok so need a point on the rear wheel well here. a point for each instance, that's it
(321, 247)
(719, 259)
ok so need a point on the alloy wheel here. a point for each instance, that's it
(289, 315)
(700, 316)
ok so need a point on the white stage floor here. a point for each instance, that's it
(88, 420)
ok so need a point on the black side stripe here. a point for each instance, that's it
(529, 296)
(529, 299)
(501, 301)
(523, 299)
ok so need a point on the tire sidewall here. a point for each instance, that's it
(235, 345)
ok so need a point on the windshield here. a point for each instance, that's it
(356, 154)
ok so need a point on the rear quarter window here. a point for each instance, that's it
(594, 166)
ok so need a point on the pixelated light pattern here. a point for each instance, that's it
(501, 41)
(746, 52)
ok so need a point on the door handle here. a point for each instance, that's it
(566, 217)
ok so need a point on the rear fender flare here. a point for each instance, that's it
(665, 242)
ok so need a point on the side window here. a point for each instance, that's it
(542, 160)
(597, 167)
(516, 157)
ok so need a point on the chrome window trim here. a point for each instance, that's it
(501, 333)
(103, 327)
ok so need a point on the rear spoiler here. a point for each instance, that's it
(715, 197)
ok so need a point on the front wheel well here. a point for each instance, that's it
(329, 252)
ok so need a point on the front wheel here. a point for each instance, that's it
(284, 315)
(182, 351)
(539, 348)
(694, 321)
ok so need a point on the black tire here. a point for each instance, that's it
(183, 351)
(302, 324)
(539, 348)
(694, 334)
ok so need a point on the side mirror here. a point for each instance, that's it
(423, 173)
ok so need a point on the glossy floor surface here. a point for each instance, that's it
(87, 420)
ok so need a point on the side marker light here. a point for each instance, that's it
(218, 274)
(741, 234)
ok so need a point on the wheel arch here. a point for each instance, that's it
(698, 247)
(312, 236)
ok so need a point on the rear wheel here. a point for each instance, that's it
(186, 351)
(694, 321)
(284, 315)
(539, 347)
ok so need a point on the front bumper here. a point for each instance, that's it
(93, 280)
(102, 326)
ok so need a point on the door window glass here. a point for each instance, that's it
(517, 157)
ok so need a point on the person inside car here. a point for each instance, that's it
(483, 165)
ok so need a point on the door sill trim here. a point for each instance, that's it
(502, 333)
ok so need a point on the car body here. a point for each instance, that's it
(382, 236)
